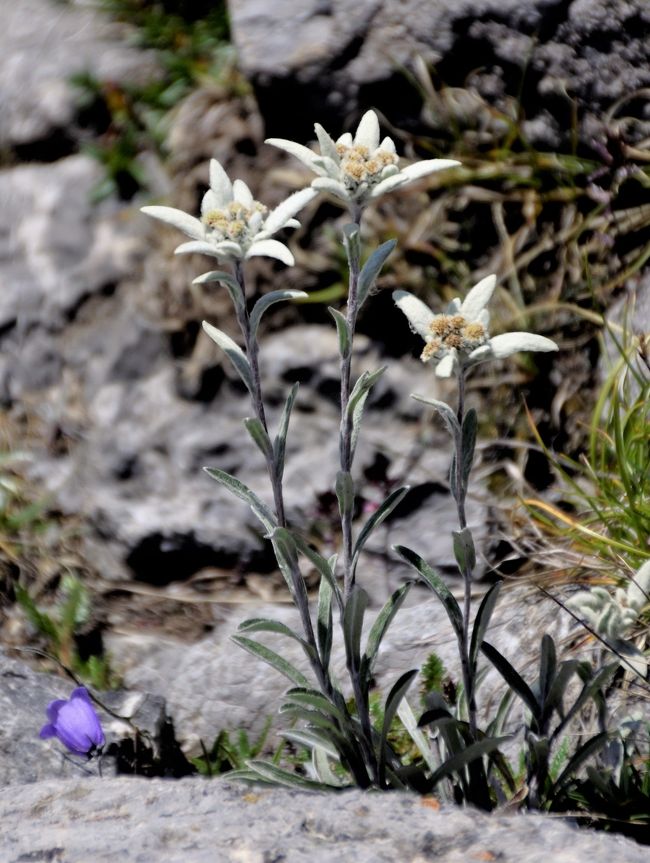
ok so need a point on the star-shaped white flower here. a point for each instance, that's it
(460, 337)
(233, 225)
(360, 168)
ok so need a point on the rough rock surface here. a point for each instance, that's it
(42, 45)
(308, 60)
(73, 821)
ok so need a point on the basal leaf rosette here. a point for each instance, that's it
(460, 338)
(233, 225)
(360, 168)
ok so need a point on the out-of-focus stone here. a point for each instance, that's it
(42, 45)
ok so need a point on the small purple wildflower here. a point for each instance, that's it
(75, 723)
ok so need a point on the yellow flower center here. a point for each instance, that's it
(453, 332)
(233, 221)
(359, 164)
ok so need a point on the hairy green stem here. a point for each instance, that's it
(345, 431)
(252, 351)
(459, 496)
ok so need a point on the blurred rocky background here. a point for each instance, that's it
(111, 398)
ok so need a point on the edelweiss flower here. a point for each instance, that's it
(233, 225)
(356, 170)
(460, 337)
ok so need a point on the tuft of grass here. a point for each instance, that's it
(604, 507)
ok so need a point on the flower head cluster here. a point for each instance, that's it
(233, 225)
(75, 723)
(460, 337)
(360, 168)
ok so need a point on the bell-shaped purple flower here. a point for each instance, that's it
(75, 723)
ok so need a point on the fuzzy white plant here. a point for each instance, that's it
(357, 169)
(614, 615)
(233, 225)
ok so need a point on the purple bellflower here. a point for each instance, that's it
(75, 723)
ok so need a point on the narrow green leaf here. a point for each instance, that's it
(409, 722)
(324, 622)
(280, 442)
(381, 624)
(355, 608)
(482, 621)
(230, 283)
(445, 411)
(437, 585)
(381, 513)
(263, 624)
(345, 342)
(512, 678)
(589, 690)
(323, 770)
(371, 269)
(593, 745)
(311, 739)
(357, 402)
(466, 755)
(547, 666)
(259, 436)
(393, 700)
(323, 566)
(280, 776)
(464, 551)
(268, 300)
(313, 700)
(273, 659)
(234, 353)
(243, 493)
(553, 699)
(365, 382)
(345, 492)
(352, 244)
(286, 554)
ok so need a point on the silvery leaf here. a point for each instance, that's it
(327, 145)
(260, 437)
(511, 343)
(232, 286)
(478, 298)
(342, 330)
(306, 156)
(197, 247)
(178, 219)
(447, 365)
(242, 193)
(327, 184)
(244, 493)
(418, 315)
(367, 134)
(388, 184)
(271, 249)
(234, 353)
(268, 300)
(444, 410)
(280, 442)
(426, 167)
(345, 492)
(285, 211)
(220, 184)
(371, 270)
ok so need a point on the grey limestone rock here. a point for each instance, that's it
(202, 821)
(328, 61)
(43, 43)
